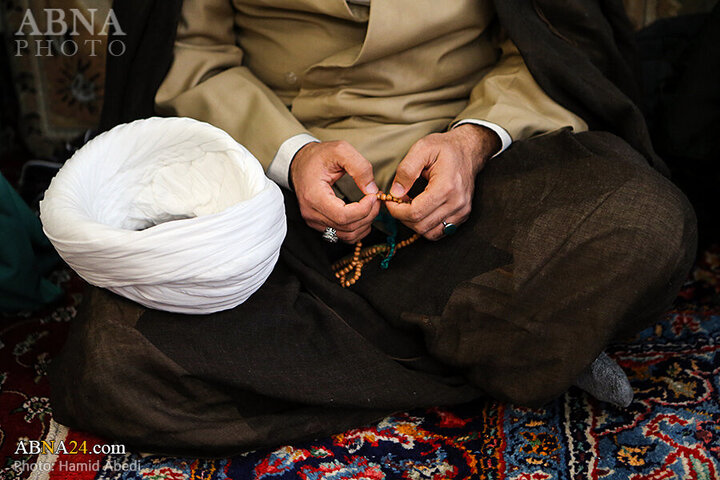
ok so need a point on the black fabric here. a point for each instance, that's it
(133, 78)
(8, 105)
(681, 65)
(580, 52)
(690, 114)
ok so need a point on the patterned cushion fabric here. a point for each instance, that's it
(57, 67)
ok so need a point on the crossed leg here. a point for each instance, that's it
(573, 242)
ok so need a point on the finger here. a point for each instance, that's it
(435, 234)
(349, 233)
(359, 234)
(353, 227)
(348, 237)
(337, 212)
(438, 231)
(320, 227)
(358, 167)
(358, 230)
(406, 198)
(432, 224)
(354, 236)
(433, 198)
(457, 211)
(374, 211)
(320, 223)
(419, 157)
(434, 221)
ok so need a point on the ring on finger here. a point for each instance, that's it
(330, 235)
(448, 228)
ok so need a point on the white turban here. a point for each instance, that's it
(169, 212)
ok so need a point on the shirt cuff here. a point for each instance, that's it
(505, 137)
(279, 169)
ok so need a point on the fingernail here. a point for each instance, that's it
(371, 188)
(397, 190)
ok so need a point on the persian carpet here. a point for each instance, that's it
(670, 431)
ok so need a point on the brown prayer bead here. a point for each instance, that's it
(361, 257)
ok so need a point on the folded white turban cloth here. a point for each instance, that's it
(169, 212)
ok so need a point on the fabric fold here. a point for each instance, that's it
(169, 212)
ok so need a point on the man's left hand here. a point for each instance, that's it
(450, 162)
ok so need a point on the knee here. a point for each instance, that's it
(645, 232)
(85, 381)
(641, 212)
(654, 224)
(97, 381)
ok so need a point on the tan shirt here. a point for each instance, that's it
(380, 77)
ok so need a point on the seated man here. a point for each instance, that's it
(567, 239)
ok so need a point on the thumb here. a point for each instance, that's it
(408, 171)
(360, 169)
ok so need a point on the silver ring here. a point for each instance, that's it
(330, 235)
(449, 228)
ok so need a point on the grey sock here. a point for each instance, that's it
(606, 381)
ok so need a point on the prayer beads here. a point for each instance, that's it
(349, 269)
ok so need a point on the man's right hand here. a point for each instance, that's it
(315, 169)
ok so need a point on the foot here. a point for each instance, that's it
(606, 381)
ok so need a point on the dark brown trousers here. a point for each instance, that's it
(573, 242)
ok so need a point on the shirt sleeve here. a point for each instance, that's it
(509, 98)
(207, 81)
(279, 169)
(505, 140)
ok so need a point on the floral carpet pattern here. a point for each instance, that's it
(670, 431)
(27, 343)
